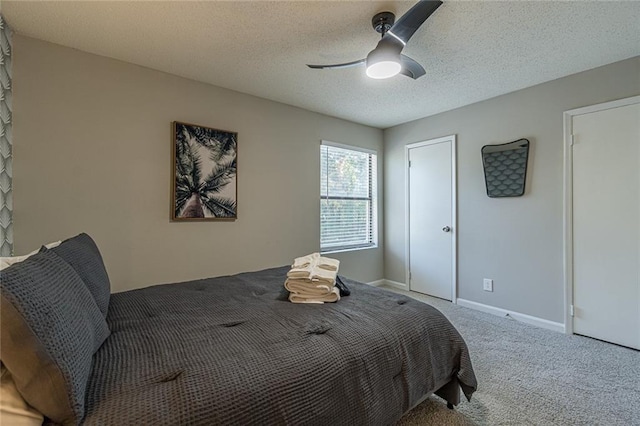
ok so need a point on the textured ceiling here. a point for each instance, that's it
(470, 50)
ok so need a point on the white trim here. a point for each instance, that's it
(396, 284)
(604, 106)
(373, 157)
(407, 263)
(349, 147)
(344, 250)
(375, 198)
(377, 283)
(568, 197)
(567, 221)
(389, 283)
(538, 322)
(454, 214)
(454, 220)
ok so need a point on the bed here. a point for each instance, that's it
(233, 350)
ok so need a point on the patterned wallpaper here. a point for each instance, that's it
(6, 197)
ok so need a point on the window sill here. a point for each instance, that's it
(348, 249)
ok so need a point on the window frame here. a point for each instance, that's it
(372, 198)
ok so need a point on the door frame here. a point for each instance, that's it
(568, 198)
(454, 213)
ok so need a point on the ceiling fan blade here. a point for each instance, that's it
(409, 23)
(338, 66)
(411, 68)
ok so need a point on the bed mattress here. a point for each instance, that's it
(233, 350)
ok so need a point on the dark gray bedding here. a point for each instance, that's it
(229, 350)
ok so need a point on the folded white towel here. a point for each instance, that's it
(312, 279)
(297, 299)
(332, 297)
(314, 259)
(307, 287)
(323, 275)
(304, 261)
(302, 272)
(328, 263)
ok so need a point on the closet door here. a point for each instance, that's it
(606, 224)
(431, 208)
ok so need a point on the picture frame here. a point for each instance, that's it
(204, 164)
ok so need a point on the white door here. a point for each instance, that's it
(606, 224)
(431, 209)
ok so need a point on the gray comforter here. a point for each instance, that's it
(232, 350)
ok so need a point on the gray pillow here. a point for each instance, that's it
(51, 327)
(83, 255)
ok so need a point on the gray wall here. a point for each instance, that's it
(515, 241)
(92, 153)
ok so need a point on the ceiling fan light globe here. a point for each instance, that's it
(383, 69)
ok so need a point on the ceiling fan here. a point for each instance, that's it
(387, 60)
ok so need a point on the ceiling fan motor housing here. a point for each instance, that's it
(383, 21)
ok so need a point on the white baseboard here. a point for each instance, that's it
(538, 322)
(396, 284)
(390, 283)
(377, 283)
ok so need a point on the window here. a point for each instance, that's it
(347, 197)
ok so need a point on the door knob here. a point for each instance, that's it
(446, 229)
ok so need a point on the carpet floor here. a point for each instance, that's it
(533, 376)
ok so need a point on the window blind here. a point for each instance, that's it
(347, 198)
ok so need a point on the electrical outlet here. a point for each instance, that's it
(487, 284)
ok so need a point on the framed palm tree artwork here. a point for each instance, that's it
(204, 167)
